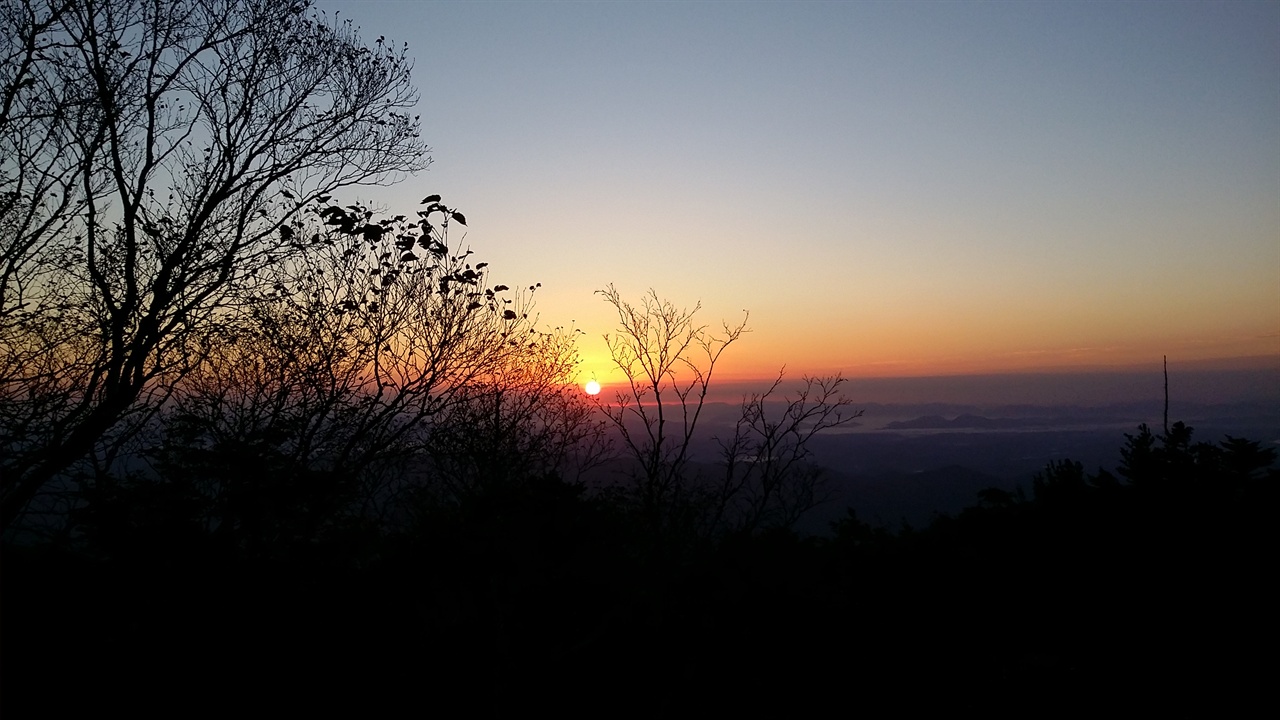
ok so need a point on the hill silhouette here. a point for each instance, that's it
(1113, 588)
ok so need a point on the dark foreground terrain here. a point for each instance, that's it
(1147, 590)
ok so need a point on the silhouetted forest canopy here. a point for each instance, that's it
(259, 446)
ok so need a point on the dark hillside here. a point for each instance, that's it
(1145, 590)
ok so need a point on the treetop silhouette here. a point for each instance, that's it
(156, 157)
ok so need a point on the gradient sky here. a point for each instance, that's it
(906, 188)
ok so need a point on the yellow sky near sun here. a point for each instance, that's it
(965, 340)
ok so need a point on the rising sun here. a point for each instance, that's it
(592, 387)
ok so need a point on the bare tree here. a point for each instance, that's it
(768, 480)
(155, 154)
(765, 479)
(668, 360)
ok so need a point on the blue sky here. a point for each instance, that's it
(889, 188)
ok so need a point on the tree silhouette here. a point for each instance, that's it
(524, 422)
(765, 482)
(156, 157)
(768, 481)
(376, 377)
(334, 360)
(668, 360)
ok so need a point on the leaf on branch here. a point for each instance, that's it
(459, 217)
(430, 199)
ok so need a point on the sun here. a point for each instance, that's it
(592, 387)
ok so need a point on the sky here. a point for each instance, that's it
(890, 189)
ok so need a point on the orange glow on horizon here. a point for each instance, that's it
(953, 344)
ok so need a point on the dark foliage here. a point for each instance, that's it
(1145, 592)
